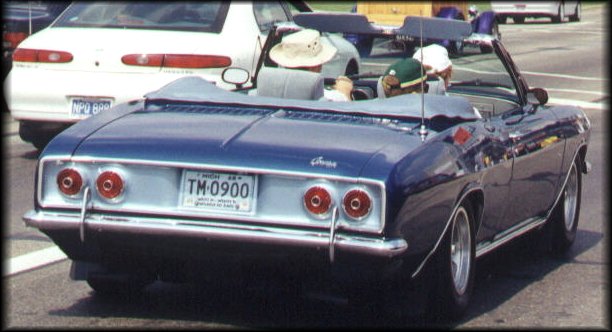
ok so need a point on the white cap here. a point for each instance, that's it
(434, 56)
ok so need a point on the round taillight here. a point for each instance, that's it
(357, 203)
(317, 201)
(109, 184)
(69, 181)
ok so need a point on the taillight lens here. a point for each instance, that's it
(47, 56)
(177, 60)
(109, 184)
(12, 39)
(357, 203)
(69, 181)
(317, 201)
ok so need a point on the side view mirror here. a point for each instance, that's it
(537, 96)
(235, 75)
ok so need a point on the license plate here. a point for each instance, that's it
(218, 192)
(86, 107)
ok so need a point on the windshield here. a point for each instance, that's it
(184, 16)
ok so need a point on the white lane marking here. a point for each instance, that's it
(573, 77)
(583, 104)
(33, 260)
(590, 92)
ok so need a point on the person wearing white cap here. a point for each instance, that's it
(435, 59)
(304, 50)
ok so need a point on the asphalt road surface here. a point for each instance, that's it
(519, 286)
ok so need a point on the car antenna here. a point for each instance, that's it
(423, 131)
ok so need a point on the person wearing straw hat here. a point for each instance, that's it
(303, 50)
(439, 67)
(404, 76)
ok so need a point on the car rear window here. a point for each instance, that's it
(184, 16)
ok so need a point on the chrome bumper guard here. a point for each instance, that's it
(315, 239)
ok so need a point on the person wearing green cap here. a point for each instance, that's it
(404, 76)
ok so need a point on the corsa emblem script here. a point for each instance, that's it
(319, 161)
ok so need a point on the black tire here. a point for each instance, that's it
(563, 222)
(455, 262)
(518, 19)
(455, 47)
(40, 142)
(577, 14)
(118, 284)
(36, 133)
(560, 15)
(502, 19)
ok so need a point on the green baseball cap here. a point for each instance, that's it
(408, 71)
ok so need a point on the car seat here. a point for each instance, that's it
(289, 83)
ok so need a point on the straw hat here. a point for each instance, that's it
(302, 49)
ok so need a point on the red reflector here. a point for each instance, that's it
(13, 38)
(48, 56)
(149, 60)
(69, 181)
(357, 203)
(109, 184)
(461, 136)
(177, 60)
(196, 61)
(25, 55)
(317, 200)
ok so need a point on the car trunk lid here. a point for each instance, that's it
(249, 138)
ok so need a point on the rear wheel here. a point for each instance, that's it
(560, 16)
(39, 133)
(563, 221)
(455, 266)
(518, 19)
(577, 14)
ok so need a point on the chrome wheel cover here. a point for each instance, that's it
(570, 198)
(460, 250)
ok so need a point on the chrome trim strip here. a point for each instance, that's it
(209, 167)
(500, 239)
(374, 246)
(416, 272)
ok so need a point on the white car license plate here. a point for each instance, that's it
(218, 192)
(89, 106)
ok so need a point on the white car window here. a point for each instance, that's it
(268, 13)
(188, 16)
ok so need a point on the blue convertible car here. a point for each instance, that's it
(375, 191)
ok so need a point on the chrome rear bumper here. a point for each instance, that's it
(315, 239)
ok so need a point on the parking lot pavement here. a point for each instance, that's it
(9, 125)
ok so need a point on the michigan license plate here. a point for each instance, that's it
(218, 192)
(87, 107)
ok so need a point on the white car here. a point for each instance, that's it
(519, 10)
(98, 54)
